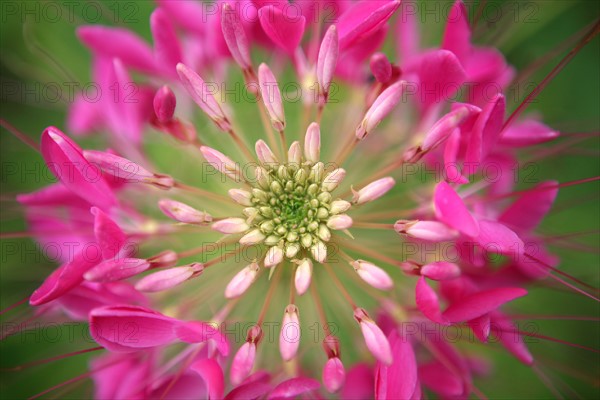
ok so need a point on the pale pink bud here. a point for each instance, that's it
(373, 275)
(373, 190)
(289, 338)
(271, 96)
(327, 60)
(341, 221)
(273, 257)
(440, 270)
(203, 96)
(243, 362)
(333, 179)
(312, 143)
(127, 170)
(295, 154)
(242, 197)
(374, 337)
(303, 276)
(116, 269)
(381, 107)
(168, 278)
(241, 281)
(319, 251)
(265, 154)
(183, 213)
(231, 225)
(235, 37)
(164, 259)
(381, 68)
(255, 236)
(334, 374)
(221, 162)
(339, 206)
(444, 127)
(432, 231)
(164, 104)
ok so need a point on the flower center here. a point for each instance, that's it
(291, 205)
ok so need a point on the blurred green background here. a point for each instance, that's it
(38, 47)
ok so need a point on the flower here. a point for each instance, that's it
(316, 223)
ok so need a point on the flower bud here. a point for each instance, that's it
(168, 278)
(381, 107)
(374, 337)
(271, 96)
(338, 222)
(235, 37)
(242, 197)
(202, 95)
(221, 163)
(264, 153)
(303, 276)
(243, 362)
(164, 259)
(241, 281)
(127, 170)
(373, 275)
(333, 179)
(381, 68)
(334, 375)
(319, 251)
(231, 225)
(327, 60)
(164, 104)
(432, 231)
(339, 206)
(289, 338)
(273, 257)
(312, 143)
(440, 270)
(116, 269)
(183, 213)
(373, 190)
(295, 154)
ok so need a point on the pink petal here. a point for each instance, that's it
(130, 328)
(475, 305)
(528, 211)
(506, 331)
(187, 14)
(374, 337)
(428, 303)
(65, 160)
(527, 133)
(441, 380)
(481, 327)
(235, 37)
(399, 380)
(440, 77)
(66, 277)
(486, 131)
(242, 363)
(110, 237)
(450, 209)
(359, 383)
(197, 332)
(497, 238)
(84, 116)
(284, 30)
(363, 18)
(211, 372)
(457, 36)
(166, 45)
(251, 390)
(118, 43)
(293, 388)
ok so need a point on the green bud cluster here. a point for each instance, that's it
(291, 206)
